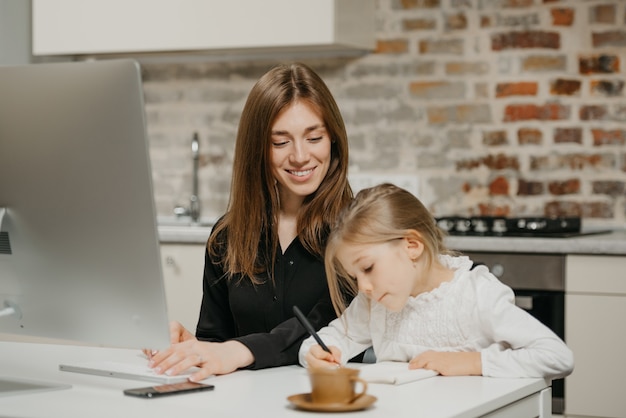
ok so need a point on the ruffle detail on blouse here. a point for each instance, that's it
(440, 318)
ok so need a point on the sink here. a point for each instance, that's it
(184, 221)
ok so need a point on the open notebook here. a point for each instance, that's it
(393, 372)
(125, 371)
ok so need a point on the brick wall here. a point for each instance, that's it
(499, 107)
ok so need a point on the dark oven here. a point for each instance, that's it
(538, 281)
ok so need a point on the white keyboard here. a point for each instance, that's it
(125, 371)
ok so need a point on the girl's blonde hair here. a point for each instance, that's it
(376, 215)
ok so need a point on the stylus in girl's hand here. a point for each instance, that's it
(307, 325)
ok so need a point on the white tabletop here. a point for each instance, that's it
(240, 394)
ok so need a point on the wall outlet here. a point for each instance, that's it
(359, 181)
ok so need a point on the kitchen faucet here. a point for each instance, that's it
(194, 200)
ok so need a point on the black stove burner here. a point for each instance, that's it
(561, 227)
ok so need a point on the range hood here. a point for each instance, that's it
(144, 28)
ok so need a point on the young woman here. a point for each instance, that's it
(419, 303)
(265, 255)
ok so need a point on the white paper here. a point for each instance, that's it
(393, 372)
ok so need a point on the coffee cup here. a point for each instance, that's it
(335, 385)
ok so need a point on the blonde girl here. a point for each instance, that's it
(419, 303)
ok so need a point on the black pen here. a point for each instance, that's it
(306, 324)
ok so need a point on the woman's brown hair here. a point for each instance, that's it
(252, 215)
(379, 214)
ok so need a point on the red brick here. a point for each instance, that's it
(419, 24)
(441, 46)
(456, 21)
(528, 136)
(438, 90)
(459, 114)
(571, 186)
(598, 64)
(499, 186)
(515, 3)
(593, 112)
(599, 210)
(603, 137)
(529, 188)
(495, 138)
(575, 161)
(438, 115)
(554, 209)
(609, 38)
(611, 188)
(491, 209)
(485, 21)
(420, 4)
(473, 113)
(464, 68)
(603, 13)
(581, 161)
(550, 111)
(607, 87)
(562, 16)
(521, 88)
(565, 87)
(536, 63)
(539, 163)
(525, 39)
(493, 162)
(392, 46)
(568, 135)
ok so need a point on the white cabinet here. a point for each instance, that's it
(183, 266)
(595, 329)
(86, 27)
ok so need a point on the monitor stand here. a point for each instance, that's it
(11, 386)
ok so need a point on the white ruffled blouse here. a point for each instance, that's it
(472, 312)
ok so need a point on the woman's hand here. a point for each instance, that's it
(178, 334)
(317, 357)
(187, 351)
(449, 363)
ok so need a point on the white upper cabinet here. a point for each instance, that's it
(92, 27)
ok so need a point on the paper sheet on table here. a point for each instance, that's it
(394, 372)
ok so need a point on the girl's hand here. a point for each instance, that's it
(317, 357)
(449, 363)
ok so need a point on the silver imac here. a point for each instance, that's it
(79, 248)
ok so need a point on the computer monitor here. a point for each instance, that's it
(79, 247)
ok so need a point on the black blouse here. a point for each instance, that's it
(261, 316)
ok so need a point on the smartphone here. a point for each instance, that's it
(169, 389)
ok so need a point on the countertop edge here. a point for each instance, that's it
(612, 243)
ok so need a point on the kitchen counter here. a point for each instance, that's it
(613, 243)
(170, 234)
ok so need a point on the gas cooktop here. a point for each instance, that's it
(493, 226)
